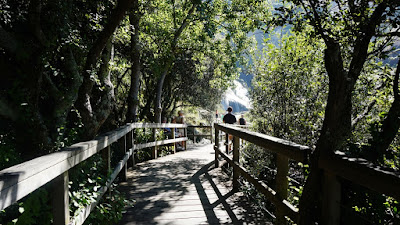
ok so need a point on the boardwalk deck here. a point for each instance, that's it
(184, 188)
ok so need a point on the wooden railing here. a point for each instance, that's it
(18, 181)
(195, 133)
(336, 165)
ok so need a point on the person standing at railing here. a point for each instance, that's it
(242, 121)
(230, 119)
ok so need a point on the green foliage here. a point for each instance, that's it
(86, 180)
(143, 136)
(290, 88)
(372, 207)
(259, 163)
(32, 210)
(110, 209)
(9, 156)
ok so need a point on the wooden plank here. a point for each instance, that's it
(199, 135)
(289, 149)
(216, 146)
(184, 188)
(331, 195)
(163, 142)
(235, 159)
(154, 148)
(173, 137)
(106, 156)
(287, 208)
(282, 183)
(199, 126)
(364, 173)
(156, 125)
(18, 181)
(60, 199)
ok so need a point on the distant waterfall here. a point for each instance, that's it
(237, 97)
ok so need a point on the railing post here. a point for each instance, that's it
(132, 137)
(129, 145)
(194, 135)
(282, 183)
(60, 199)
(226, 143)
(154, 149)
(235, 160)
(216, 144)
(173, 137)
(123, 149)
(106, 155)
(331, 199)
(211, 133)
(185, 135)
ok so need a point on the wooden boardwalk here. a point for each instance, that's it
(184, 188)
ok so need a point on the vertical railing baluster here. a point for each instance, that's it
(216, 133)
(282, 183)
(194, 135)
(211, 133)
(106, 155)
(154, 149)
(132, 137)
(236, 160)
(123, 149)
(129, 146)
(331, 196)
(226, 143)
(60, 199)
(185, 131)
(173, 137)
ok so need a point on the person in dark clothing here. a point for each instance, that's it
(229, 117)
(242, 121)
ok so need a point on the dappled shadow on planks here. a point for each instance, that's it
(184, 188)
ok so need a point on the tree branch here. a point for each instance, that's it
(360, 52)
(84, 104)
(391, 123)
(363, 114)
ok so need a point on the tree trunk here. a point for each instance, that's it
(390, 125)
(336, 128)
(337, 122)
(160, 84)
(169, 63)
(84, 103)
(133, 98)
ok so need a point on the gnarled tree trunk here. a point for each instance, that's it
(133, 98)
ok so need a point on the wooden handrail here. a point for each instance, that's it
(20, 180)
(194, 135)
(199, 126)
(359, 171)
(362, 172)
(289, 149)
